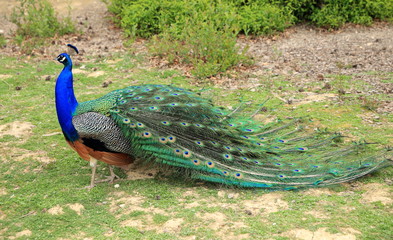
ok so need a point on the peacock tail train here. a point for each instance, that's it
(173, 126)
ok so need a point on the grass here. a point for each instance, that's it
(32, 191)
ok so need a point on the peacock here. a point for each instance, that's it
(172, 126)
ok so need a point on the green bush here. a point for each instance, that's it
(336, 13)
(199, 43)
(145, 18)
(261, 18)
(36, 20)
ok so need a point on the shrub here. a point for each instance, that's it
(145, 18)
(199, 43)
(36, 20)
(262, 18)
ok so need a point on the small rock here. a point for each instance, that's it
(248, 212)
(17, 88)
(327, 86)
(158, 197)
(48, 78)
(106, 84)
(116, 186)
(320, 77)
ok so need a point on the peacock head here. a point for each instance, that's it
(64, 58)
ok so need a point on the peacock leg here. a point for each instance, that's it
(93, 164)
(113, 176)
(110, 178)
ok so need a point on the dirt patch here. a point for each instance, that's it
(21, 155)
(267, 203)
(17, 129)
(2, 217)
(56, 210)
(123, 203)
(303, 234)
(96, 74)
(376, 192)
(138, 171)
(77, 207)
(311, 97)
(78, 70)
(223, 227)
(227, 194)
(24, 233)
(318, 192)
(191, 193)
(147, 224)
(4, 76)
(172, 225)
(216, 220)
(191, 205)
(318, 214)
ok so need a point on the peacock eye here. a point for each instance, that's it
(61, 58)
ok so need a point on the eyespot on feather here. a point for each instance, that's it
(147, 134)
(187, 154)
(196, 162)
(171, 139)
(238, 175)
(210, 164)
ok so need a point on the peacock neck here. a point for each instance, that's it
(66, 102)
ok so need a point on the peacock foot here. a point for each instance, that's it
(111, 178)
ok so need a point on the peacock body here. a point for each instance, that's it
(176, 127)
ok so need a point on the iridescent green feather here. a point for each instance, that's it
(176, 127)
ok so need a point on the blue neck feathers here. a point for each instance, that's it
(65, 99)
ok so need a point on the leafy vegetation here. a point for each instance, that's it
(36, 20)
(3, 41)
(200, 44)
(145, 18)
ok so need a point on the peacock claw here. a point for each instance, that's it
(111, 178)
